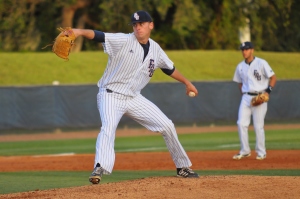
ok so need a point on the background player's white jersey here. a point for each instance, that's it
(126, 71)
(254, 77)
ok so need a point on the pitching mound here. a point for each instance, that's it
(172, 187)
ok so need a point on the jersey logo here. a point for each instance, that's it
(131, 51)
(151, 67)
(256, 75)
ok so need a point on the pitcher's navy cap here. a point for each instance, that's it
(246, 45)
(140, 16)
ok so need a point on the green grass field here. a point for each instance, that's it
(280, 139)
(12, 182)
(87, 67)
(19, 69)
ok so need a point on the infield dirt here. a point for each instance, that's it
(240, 186)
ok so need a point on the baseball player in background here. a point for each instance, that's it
(254, 76)
(133, 58)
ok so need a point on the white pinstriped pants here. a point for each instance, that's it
(244, 118)
(112, 106)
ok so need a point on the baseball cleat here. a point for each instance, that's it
(261, 157)
(96, 175)
(186, 172)
(240, 156)
(95, 179)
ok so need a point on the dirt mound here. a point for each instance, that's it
(172, 187)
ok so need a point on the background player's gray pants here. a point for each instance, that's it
(112, 106)
(258, 113)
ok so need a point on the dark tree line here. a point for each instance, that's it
(28, 25)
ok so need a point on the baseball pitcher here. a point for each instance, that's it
(133, 60)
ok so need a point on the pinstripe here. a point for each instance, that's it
(113, 106)
(132, 61)
(149, 115)
(126, 74)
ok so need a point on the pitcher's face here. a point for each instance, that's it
(142, 30)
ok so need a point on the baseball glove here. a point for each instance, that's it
(259, 99)
(63, 43)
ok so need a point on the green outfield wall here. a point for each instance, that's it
(64, 106)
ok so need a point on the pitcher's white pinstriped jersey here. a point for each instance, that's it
(125, 50)
(132, 60)
(126, 74)
(255, 77)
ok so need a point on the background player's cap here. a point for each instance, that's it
(246, 45)
(140, 16)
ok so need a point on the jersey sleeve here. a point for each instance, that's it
(114, 42)
(267, 69)
(237, 77)
(164, 62)
(99, 36)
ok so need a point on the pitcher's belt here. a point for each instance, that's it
(253, 94)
